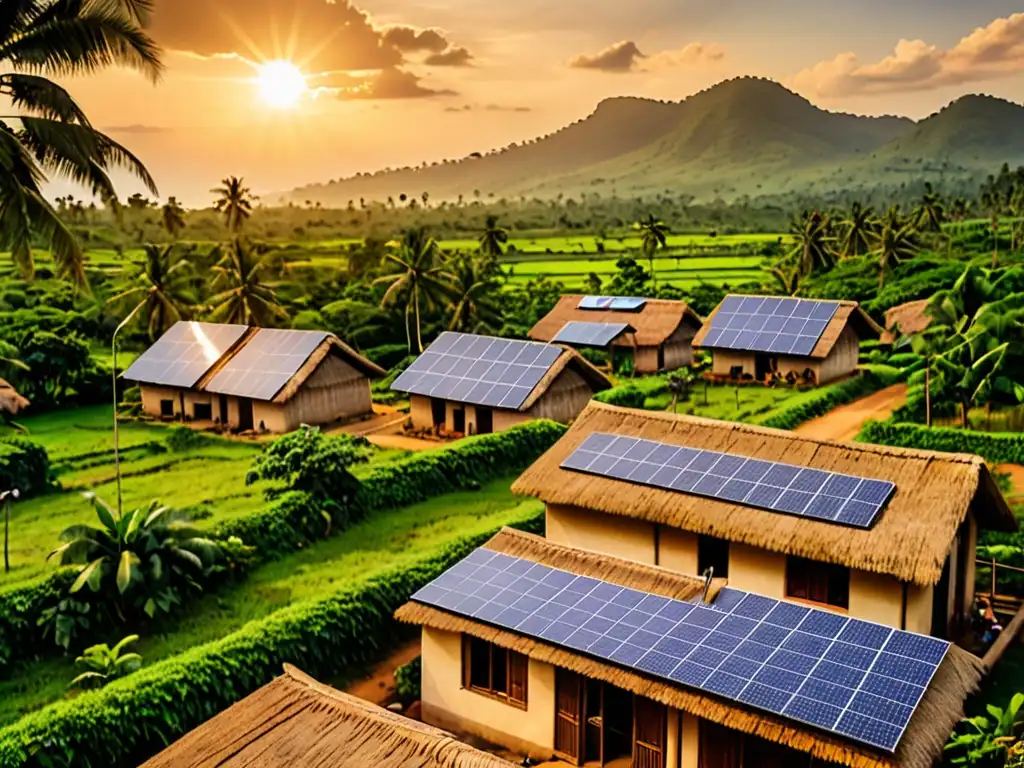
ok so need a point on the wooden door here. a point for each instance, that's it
(650, 731)
(568, 715)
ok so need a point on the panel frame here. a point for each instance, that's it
(771, 325)
(182, 353)
(240, 376)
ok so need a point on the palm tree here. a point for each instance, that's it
(172, 217)
(243, 297)
(930, 212)
(234, 200)
(493, 238)
(653, 235)
(472, 294)
(993, 201)
(419, 277)
(859, 230)
(48, 132)
(159, 288)
(897, 242)
(813, 249)
(787, 278)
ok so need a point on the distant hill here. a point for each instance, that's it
(746, 136)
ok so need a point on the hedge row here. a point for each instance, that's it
(24, 465)
(633, 394)
(827, 398)
(20, 610)
(994, 447)
(130, 719)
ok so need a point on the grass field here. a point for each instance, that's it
(719, 401)
(385, 541)
(682, 272)
(208, 480)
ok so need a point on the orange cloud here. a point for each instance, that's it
(988, 53)
(626, 56)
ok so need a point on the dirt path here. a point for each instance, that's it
(1016, 471)
(379, 686)
(405, 443)
(845, 422)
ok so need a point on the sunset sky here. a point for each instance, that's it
(390, 83)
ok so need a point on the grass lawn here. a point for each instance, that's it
(385, 541)
(208, 479)
(756, 403)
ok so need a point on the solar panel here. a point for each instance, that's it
(812, 493)
(854, 678)
(482, 370)
(590, 334)
(261, 368)
(784, 326)
(184, 353)
(617, 303)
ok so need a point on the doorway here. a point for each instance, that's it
(940, 604)
(459, 421)
(484, 421)
(438, 412)
(764, 366)
(224, 409)
(244, 414)
(597, 724)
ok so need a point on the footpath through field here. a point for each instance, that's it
(844, 422)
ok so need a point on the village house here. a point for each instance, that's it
(655, 333)
(296, 721)
(263, 379)
(759, 337)
(469, 384)
(715, 595)
(906, 320)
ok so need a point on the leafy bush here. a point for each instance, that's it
(994, 447)
(407, 681)
(830, 397)
(24, 465)
(634, 393)
(987, 741)
(103, 664)
(181, 438)
(310, 461)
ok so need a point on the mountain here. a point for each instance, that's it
(747, 136)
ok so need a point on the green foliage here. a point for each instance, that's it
(986, 741)
(308, 460)
(59, 363)
(103, 664)
(181, 438)
(633, 393)
(387, 355)
(24, 465)
(996, 448)
(407, 681)
(830, 397)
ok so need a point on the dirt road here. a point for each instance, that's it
(845, 422)
(379, 686)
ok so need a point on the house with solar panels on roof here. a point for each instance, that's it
(809, 340)
(473, 385)
(657, 333)
(716, 595)
(262, 379)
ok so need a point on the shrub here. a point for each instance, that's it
(407, 681)
(24, 465)
(633, 394)
(181, 438)
(994, 447)
(310, 461)
(103, 664)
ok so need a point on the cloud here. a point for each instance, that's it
(136, 128)
(487, 108)
(626, 56)
(406, 38)
(392, 83)
(988, 53)
(453, 57)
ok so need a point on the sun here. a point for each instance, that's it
(281, 83)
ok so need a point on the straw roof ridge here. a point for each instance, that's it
(911, 539)
(653, 323)
(848, 313)
(569, 358)
(296, 720)
(909, 318)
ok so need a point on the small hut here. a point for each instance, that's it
(469, 384)
(906, 320)
(655, 332)
(296, 721)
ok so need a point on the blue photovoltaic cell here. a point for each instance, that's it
(482, 370)
(797, 662)
(267, 362)
(590, 334)
(811, 493)
(184, 354)
(783, 326)
(617, 303)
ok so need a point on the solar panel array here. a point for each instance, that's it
(482, 370)
(184, 353)
(261, 368)
(590, 334)
(854, 678)
(784, 326)
(812, 493)
(620, 303)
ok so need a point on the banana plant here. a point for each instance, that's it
(987, 741)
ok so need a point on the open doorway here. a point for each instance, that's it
(224, 409)
(244, 414)
(459, 421)
(764, 366)
(595, 724)
(438, 411)
(484, 421)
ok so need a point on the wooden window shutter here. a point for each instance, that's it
(518, 673)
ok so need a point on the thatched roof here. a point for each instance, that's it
(906, 320)
(10, 400)
(929, 728)
(655, 322)
(296, 721)
(331, 345)
(911, 540)
(849, 313)
(569, 358)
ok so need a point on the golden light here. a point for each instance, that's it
(281, 83)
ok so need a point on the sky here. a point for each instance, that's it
(388, 83)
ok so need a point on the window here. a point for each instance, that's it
(166, 408)
(202, 411)
(713, 553)
(494, 671)
(818, 582)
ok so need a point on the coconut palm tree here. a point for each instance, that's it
(814, 241)
(993, 202)
(48, 133)
(419, 278)
(172, 217)
(243, 295)
(653, 235)
(472, 291)
(859, 230)
(234, 200)
(160, 289)
(897, 242)
(493, 239)
(930, 212)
